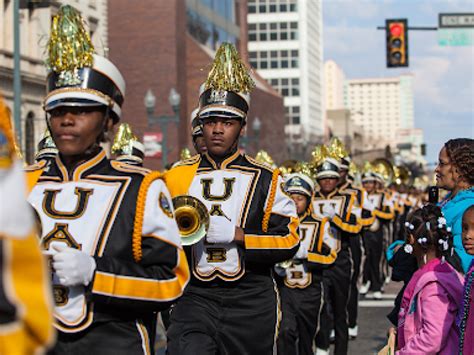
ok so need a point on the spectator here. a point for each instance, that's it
(430, 302)
(466, 312)
(455, 173)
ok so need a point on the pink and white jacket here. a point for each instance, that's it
(429, 323)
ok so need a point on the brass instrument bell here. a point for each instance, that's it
(192, 218)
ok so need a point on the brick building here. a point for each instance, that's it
(164, 44)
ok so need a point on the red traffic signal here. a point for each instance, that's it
(397, 43)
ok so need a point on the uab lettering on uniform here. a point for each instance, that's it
(228, 189)
(216, 255)
(296, 275)
(61, 234)
(303, 233)
(81, 205)
(61, 295)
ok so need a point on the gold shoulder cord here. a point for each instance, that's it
(271, 200)
(139, 214)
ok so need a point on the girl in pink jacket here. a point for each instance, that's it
(427, 318)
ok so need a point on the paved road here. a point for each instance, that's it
(373, 323)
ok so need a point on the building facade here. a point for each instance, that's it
(285, 47)
(175, 50)
(34, 31)
(381, 106)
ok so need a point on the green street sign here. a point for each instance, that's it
(456, 36)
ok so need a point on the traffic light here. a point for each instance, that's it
(397, 43)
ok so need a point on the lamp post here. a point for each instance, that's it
(256, 128)
(174, 99)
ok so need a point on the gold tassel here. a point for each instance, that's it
(69, 47)
(228, 72)
(265, 158)
(337, 148)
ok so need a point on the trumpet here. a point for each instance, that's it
(192, 218)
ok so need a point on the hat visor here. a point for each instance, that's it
(328, 174)
(221, 111)
(74, 98)
(298, 190)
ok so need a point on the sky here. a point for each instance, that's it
(443, 77)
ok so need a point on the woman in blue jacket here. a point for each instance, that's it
(455, 173)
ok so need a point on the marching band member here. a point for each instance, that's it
(301, 289)
(373, 237)
(363, 210)
(25, 296)
(336, 205)
(231, 305)
(198, 139)
(108, 226)
(46, 148)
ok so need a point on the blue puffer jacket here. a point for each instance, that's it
(453, 211)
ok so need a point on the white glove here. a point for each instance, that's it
(221, 230)
(329, 211)
(73, 267)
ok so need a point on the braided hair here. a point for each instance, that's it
(429, 229)
(461, 153)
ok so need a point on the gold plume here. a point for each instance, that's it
(123, 139)
(353, 169)
(228, 72)
(319, 153)
(265, 158)
(305, 168)
(368, 167)
(287, 167)
(185, 154)
(69, 47)
(337, 148)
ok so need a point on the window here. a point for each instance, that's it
(277, 59)
(286, 87)
(273, 31)
(293, 115)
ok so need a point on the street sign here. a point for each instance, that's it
(456, 29)
(458, 20)
(152, 142)
(456, 37)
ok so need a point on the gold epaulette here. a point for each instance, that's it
(128, 168)
(261, 165)
(190, 161)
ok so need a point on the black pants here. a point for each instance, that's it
(111, 338)
(336, 281)
(357, 251)
(373, 245)
(240, 319)
(301, 309)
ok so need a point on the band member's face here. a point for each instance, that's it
(445, 171)
(468, 231)
(75, 129)
(220, 134)
(328, 184)
(301, 202)
(369, 186)
(200, 144)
